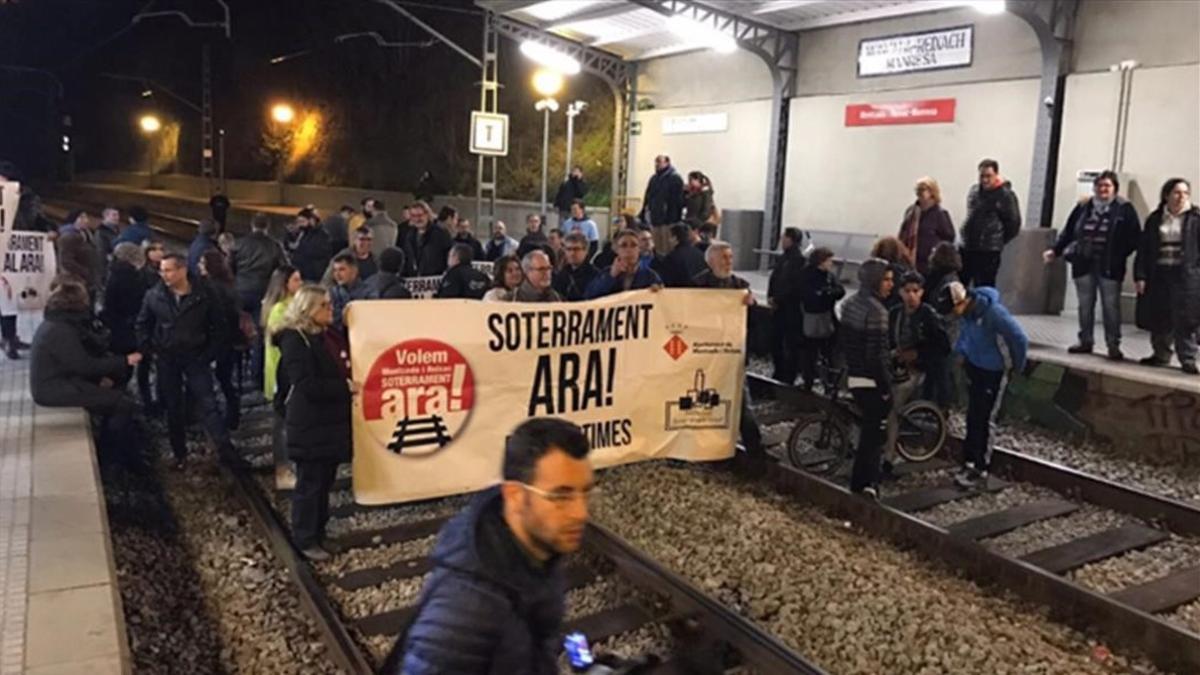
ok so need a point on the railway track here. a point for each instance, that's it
(924, 509)
(364, 597)
(175, 231)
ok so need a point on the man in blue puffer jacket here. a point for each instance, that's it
(983, 322)
(495, 601)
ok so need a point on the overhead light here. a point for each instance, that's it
(283, 113)
(700, 34)
(550, 57)
(990, 6)
(547, 82)
(146, 93)
(149, 124)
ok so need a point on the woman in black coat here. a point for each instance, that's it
(820, 292)
(314, 363)
(70, 367)
(1167, 272)
(215, 271)
(123, 296)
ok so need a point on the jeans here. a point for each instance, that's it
(871, 436)
(310, 502)
(177, 374)
(902, 393)
(252, 305)
(983, 388)
(939, 382)
(229, 387)
(980, 267)
(748, 427)
(812, 348)
(1182, 334)
(1110, 307)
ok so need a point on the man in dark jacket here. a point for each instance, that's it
(347, 287)
(572, 280)
(206, 233)
(387, 283)
(464, 235)
(920, 342)
(138, 229)
(181, 324)
(309, 247)
(1101, 233)
(462, 280)
(784, 291)
(535, 235)
(495, 600)
(574, 187)
(684, 262)
(219, 204)
(993, 219)
(255, 257)
(428, 243)
(863, 338)
(663, 201)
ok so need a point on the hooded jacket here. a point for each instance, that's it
(993, 218)
(982, 324)
(68, 359)
(863, 331)
(487, 607)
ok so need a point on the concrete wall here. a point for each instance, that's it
(1005, 48)
(860, 179)
(703, 78)
(735, 159)
(1163, 137)
(1152, 32)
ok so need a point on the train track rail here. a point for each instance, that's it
(1132, 616)
(708, 637)
(173, 230)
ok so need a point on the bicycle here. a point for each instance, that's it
(825, 441)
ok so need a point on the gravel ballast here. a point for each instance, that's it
(851, 603)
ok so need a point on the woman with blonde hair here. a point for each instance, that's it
(315, 363)
(282, 286)
(926, 224)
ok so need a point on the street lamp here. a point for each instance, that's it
(547, 83)
(150, 125)
(282, 114)
(572, 111)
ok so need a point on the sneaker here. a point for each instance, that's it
(1153, 360)
(1190, 368)
(869, 493)
(315, 554)
(968, 478)
(1079, 349)
(1115, 354)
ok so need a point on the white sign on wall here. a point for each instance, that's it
(489, 133)
(695, 124)
(928, 50)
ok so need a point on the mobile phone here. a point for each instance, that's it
(579, 654)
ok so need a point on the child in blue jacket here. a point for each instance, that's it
(983, 321)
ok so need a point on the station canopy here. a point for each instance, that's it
(636, 32)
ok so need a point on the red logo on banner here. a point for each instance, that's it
(675, 347)
(929, 111)
(426, 388)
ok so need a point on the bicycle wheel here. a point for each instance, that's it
(922, 431)
(818, 444)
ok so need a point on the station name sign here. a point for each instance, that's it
(910, 52)
(929, 111)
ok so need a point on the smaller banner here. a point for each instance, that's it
(931, 111)
(27, 260)
(929, 50)
(426, 287)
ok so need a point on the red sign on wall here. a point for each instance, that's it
(930, 111)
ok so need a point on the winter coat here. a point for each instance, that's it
(135, 233)
(698, 206)
(819, 290)
(200, 244)
(605, 284)
(311, 252)
(427, 251)
(338, 230)
(191, 328)
(682, 265)
(1154, 309)
(531, 242)
(863, 331)
(568, 191)
(463, 281)
(932, 342)
(572, 282)
(122, 301)
(255, 257)
(384, 231)
(707, 279)
(318, 402)
(1124, 235)
(785, 288)
(68, 360)
(527, 293)
(993, 218)
(496, 248)
(230, 306)
(386, 286)
(936, 282)
(664, 198)
(922, 231)
(982, 324)
(469, 239)
(487, 608)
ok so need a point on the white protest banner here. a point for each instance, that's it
(426, 287)
(645, 374)
(27, 260)
(928, 50)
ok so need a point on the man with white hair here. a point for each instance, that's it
(539, 274)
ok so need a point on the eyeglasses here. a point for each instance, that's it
(561, 498)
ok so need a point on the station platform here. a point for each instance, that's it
(60, 612)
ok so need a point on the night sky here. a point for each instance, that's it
(385, 115)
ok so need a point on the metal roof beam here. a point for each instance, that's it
(602, 12)
(607, 66)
